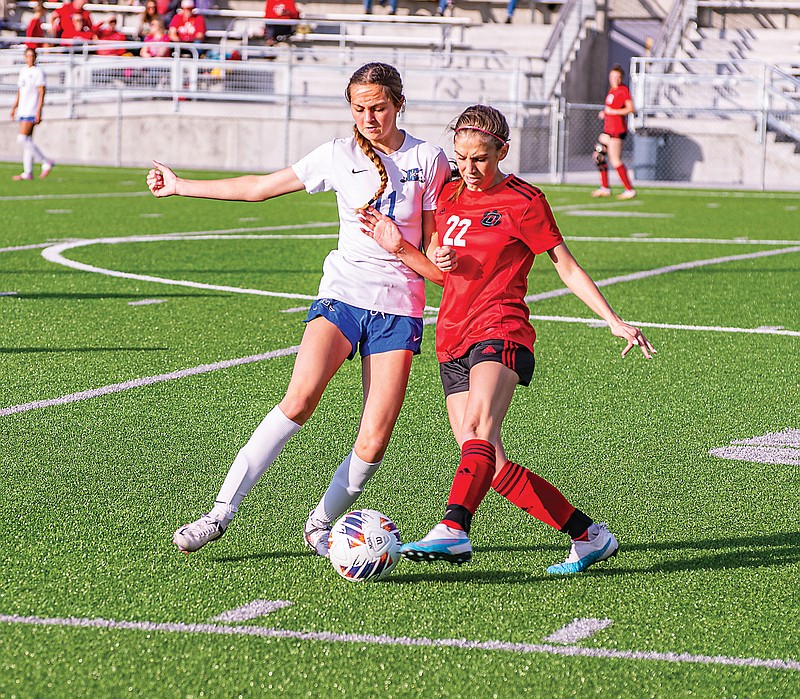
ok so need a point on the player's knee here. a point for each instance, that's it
(298, 407)
(371, 445)
(599, 156)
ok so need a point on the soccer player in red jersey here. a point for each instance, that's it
(497, 224)
(615, 128)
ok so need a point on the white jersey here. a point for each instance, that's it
(29, 81)
(360, 272)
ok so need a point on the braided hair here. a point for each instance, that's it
(488, 123)
(389, 79)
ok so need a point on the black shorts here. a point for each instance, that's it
(620, 136)
(455, 373)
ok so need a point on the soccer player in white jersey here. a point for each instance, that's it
(27, 110)
(368, 300)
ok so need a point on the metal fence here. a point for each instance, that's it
(260, 115)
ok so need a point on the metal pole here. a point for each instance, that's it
(118, 156)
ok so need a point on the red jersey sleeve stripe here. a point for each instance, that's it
(528, 195)
(535, 191)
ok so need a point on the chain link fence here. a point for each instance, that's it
(257, 116)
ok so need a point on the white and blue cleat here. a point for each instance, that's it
(442, 543)
(602, 544)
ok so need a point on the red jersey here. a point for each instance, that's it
(281, 9)
(188, 28)
(61, 19)
(34, 31)
(496, 235)
(614, 124)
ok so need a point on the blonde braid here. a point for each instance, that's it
(369, 151)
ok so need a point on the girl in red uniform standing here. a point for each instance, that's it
(615, 128)
(497, 223)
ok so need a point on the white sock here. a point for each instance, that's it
(38, 156)
(346, 485)
(252, 461)
(27, 153)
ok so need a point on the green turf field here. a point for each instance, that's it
(119, 418)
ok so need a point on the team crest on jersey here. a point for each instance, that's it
(413, 174)
(491, 218)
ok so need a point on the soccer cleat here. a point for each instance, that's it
(602, 192)
(602, 544)
(627, 194)
(316, 537)
(192, 537)
(442, 543)
(22, 176)
(47, 165)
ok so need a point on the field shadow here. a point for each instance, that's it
(70, 350)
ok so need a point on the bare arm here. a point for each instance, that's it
(15, 105)
(163, 182)
(40, 105)
(581, 284)
(626, 109)
(384, 231)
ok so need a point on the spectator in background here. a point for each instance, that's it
(382, 3)
(61, 19)
(510, 8)
(186, 27)
(79, 29)
(149, 13)
(279, 9)
(108, 32)
(35, 30)
(157, 41)
(443, 6)
(27, 110)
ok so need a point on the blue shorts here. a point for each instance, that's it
(27, 118)
(371, 332)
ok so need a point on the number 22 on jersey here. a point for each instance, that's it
(456, 230)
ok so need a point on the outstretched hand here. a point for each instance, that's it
(381, 229)
(161, 181)
(634, 337)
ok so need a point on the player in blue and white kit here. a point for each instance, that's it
(27, 110)
(369, 300)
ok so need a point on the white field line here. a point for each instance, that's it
(328, 637)
(146, 381)
(54, 254)
(644, 274)
(671, 326)
(578, 630)
(91, 393)
(88, 195)
(252, 610)
(727, 194)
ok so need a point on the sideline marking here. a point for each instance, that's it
(597, 323)
(252, 610)
(328, 637)
(772, 448)
(90, 195)
(616, 214)
(644, 274)
(146, 381)
(579, 630)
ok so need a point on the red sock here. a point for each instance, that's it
(472, 480)
(533, 494)
(604, 177)
(623, 176)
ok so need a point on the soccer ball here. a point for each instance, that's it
(364, 545)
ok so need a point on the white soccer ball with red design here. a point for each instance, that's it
(364, 545)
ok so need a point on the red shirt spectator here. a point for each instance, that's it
(156, 42)
(108, 32)
(34, 31)
(281, 9)
(79, 29)
(187, 27)
(61, 19)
